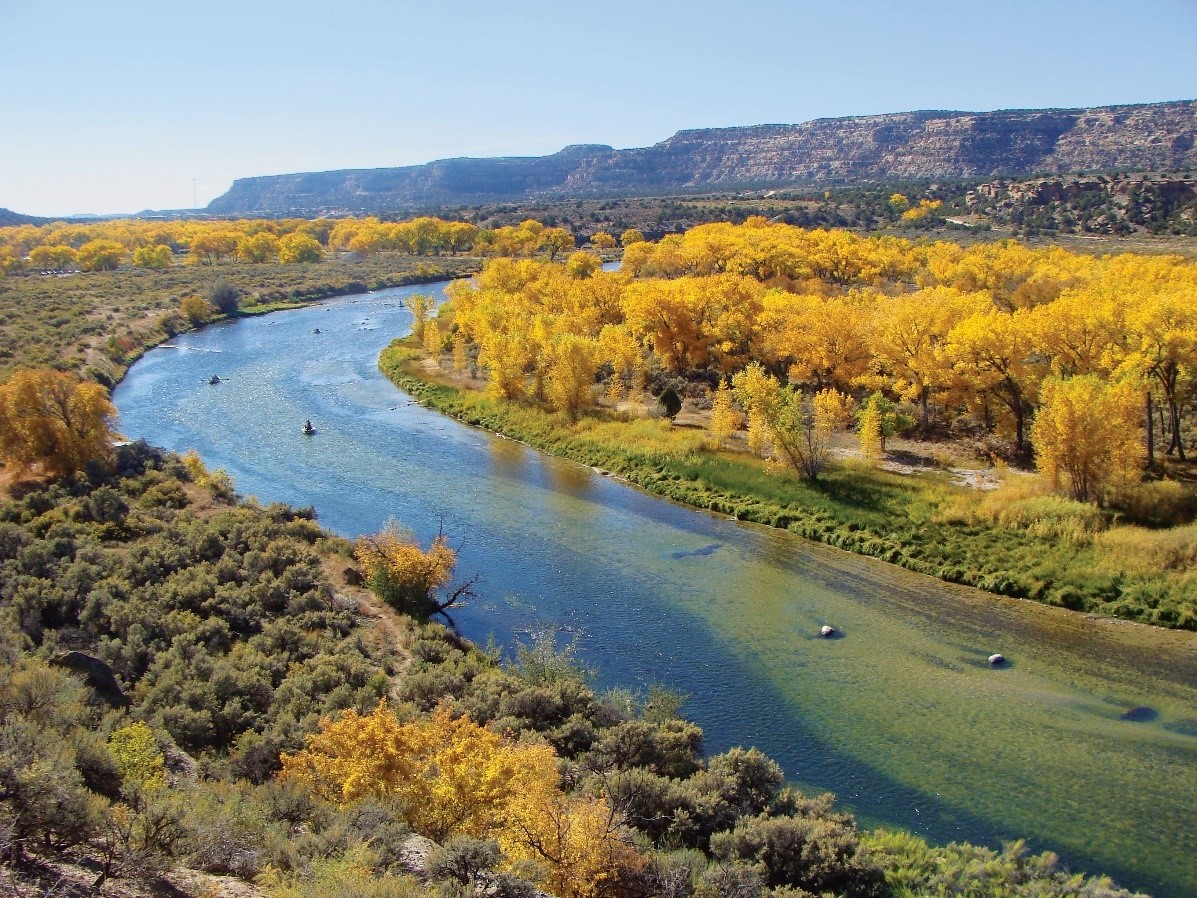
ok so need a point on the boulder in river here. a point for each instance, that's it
(827, 632)
(996, 660)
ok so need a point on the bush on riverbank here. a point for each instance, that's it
(98, 323)
(913, 522)
(212, 625)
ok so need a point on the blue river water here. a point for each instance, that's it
(1086, 744)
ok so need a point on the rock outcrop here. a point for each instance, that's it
(96, 674)
(858, 149)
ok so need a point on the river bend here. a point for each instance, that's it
(1086, 743)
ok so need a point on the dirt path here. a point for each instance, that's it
(386, 628)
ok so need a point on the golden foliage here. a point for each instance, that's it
(196, 309)
(53, 420)
(461, 352)
(724, 419)
(758, 393)
(870, 432)
(831, 309)
(403, 574)
(433, 343)
(101, 255)
(451, 776)
(421, 306)
(299, 248)
(152, 257)
(1086, 435)
(138, 759)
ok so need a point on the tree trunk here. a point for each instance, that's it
(1174, 411)
(1150, 432)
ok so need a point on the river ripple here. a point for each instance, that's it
(1086, 743)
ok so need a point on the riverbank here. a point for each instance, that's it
(99, 323)
(900, 717)
(1033, 547)
(291, 630)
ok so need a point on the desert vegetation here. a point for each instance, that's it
(185, 689)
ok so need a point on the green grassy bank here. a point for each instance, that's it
(1026, 546)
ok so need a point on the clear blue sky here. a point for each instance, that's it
(116, 107)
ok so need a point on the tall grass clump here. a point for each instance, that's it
(1133, 548)
(1027, 504)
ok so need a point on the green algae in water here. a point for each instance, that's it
(902, 717)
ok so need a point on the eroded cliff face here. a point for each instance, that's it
(860, 149)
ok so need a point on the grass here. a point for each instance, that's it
(98, 323)
(1017, 542)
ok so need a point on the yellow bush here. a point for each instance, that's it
(454, 777)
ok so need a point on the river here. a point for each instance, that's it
(1086, 743)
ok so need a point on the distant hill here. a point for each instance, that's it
(854, 150)
(8, 217)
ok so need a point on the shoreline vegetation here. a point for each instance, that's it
(792, 342)
(1030, 548)
(238, 647)
(99, 323)
(250, 714)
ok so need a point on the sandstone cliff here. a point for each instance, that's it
(860, 149)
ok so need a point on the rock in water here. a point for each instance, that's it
(826, 631)
(996, 660)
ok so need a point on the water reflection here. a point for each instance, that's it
(903, 717)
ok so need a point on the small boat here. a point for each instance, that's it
(316, 331)
(308, 429)
(214, 379)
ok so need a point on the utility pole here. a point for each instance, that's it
(194, 199)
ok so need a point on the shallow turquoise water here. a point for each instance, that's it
(902, 717)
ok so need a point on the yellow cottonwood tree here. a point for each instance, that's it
(1087, 435)
(152, 257)
(994, 352)
(576, 838)
(871, 445)
(54, 421)
(908, 342)
(101, 255)
(404, 575)
(258, 248)
(461, 352)
(1161, 348)
(724, 419)
(451, 776)
(421, 306)
(758, 392)
(572, 364)
(824, 342)
(802, 427)
(298, 248)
